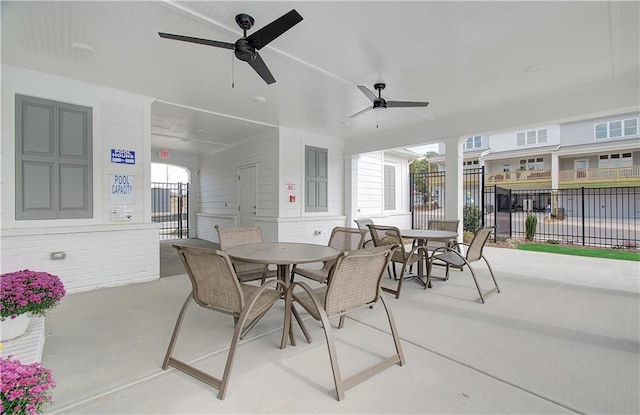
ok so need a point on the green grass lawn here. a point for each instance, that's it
(582, 251)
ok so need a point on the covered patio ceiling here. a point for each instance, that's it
(483, 66)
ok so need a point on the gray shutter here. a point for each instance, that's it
(322, 180)
(53, 160)
(75, 161)
(316, 180)
(35, 159)
(389, 188)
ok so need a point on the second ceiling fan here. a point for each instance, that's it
(246, 48)
(381, 103)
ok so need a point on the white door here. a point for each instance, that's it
(247, 201)
(581, 166)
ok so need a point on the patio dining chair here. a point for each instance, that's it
(452, 256)
(230, 237)
(363, 225)
(390, 235)
(343, 239)
(215, 286)
(353, 284)
(443, 225)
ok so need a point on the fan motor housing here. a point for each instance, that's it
(379, 103)
(244, 51)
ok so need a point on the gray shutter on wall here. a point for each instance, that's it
(53, 160)
(74, 161)
(316, 180)
(389, 188)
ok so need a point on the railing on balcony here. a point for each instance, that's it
(607, 174)
(610, 174)
(518, 176)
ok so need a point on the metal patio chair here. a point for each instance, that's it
(354, 284)
(343, 239)
(230, 237)
(451, 256)
(390, 235)
(363, 225)
(215, 286)
(443, 225)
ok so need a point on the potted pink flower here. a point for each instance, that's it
(23, 294)
(24, 389)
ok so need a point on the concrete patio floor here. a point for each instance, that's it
(563, 336)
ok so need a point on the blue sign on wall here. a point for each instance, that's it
(123, 156)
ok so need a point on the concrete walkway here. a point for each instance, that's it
(563, 336)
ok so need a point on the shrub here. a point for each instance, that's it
(530, 226)
(471, 216)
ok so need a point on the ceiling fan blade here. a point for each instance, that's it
(367, 92)
(398, 104)
(259, 66)
(262, 37)
(207, 42)
(361, 112)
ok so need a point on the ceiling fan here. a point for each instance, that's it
(381, 103)
(246, 48)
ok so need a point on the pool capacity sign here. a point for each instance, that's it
(121, 188)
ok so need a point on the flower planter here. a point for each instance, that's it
(12, 328)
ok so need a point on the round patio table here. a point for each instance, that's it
(284, 254)
(420, 237)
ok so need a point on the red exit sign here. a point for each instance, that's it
(164, 154)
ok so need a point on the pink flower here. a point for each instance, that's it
(29, 291)
(24, 388)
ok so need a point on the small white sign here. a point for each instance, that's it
(121, 190)
(122, 213)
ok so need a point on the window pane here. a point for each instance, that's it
(531, 137)
(615, 129)
(631, 127)
(542, 136)
(477, 142)
(520, 139)
(601, 130)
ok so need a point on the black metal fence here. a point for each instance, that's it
(428, 194)
(170, 208)
(605, 217)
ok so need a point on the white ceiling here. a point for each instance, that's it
(467, 58)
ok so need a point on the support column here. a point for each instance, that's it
(555, 171)
(453, 181)
(351, 188)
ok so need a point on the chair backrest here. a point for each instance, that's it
(355, 279)
(346, 239)
(474, 252)
(443, 225)
(386, 236)
(364, 228)
(213, 279)
(362, 224)
(232, 237)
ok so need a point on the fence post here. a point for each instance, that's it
(411, 197)
(510, 216)
(582, 191)
(482, 196)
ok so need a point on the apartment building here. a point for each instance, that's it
(590, 152)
